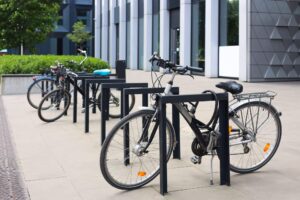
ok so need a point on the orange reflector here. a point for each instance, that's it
(267, 147)
(229, 129)
(141, 173)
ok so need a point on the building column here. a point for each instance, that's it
(164, 34)
(122, 29)
(104, 35)
(211, 38)
(97, 28)
(112, 35)
(244, 40)
(185, 32)
(147, 34)
(133, 34)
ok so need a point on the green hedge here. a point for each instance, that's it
(37, 64)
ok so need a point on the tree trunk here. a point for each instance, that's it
(22, 49)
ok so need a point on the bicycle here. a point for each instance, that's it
(129, 161)
(45, 83)
(50, 108)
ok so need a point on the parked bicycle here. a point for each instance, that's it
(55, 104)
(129, 157)
(47, 82)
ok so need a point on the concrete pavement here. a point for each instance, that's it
(59, 161)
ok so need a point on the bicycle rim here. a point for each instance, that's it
(54, 105)
(120, 165)
(262, 119)
(38, 89)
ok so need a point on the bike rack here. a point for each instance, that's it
(223, 127)
(87, 96)
(144, 92)
(120, 74)
(75, 91)
(105, 91)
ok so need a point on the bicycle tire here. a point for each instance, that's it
(117, 115)
(53, 96)
(108, 175)
(267, 156)
(30, 92)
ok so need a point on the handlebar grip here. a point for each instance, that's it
(195, 69)
(81, 51)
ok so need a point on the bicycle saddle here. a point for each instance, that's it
(231, 86)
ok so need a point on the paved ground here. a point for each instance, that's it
(59, 161)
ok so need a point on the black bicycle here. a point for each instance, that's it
(55, 104)
(129, 161)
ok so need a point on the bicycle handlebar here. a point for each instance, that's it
(165, 64)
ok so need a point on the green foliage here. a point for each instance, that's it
(35, 64)
(79, 34)
(26, 22)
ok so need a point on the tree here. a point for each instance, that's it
(25, 23)
(79, 34)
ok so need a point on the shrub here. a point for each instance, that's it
(37, 64)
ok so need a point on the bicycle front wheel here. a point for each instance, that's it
(54, 105)
(38, 89)
(253, 147)
(129, 157)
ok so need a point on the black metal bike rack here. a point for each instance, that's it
(120, 74)
(223, 127)
(105, 91)
(82, 78)
(144, 92)
(100, 82)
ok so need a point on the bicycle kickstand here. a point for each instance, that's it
(211, 168)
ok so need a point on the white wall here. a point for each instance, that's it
(185, 32)
(229, 61)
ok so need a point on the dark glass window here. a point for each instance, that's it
(229, 22)
(85, 16)
(128, 34)
(59, 46)
(60, 22)
(155, 28)
(155, 41)
(140, 34)
(198, 34)
(117, 41)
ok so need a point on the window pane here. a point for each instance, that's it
(140, 34)
(155, 29)
(229, 22)
(198, 34)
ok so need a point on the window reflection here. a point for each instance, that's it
(229, 22)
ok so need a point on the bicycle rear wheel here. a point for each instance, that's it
(38, 89)
(54, 105)
(129, 157)
(254, 147)
(114, 103)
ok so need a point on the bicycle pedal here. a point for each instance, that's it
(196, 159)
